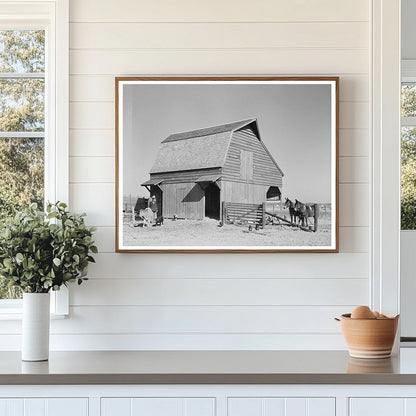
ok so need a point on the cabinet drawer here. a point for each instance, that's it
(276, 406)
(158, 406)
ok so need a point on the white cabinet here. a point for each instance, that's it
(281, 406)
(157, 406)
(44, 407)
(383, 406)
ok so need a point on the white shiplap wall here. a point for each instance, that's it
(209, 301)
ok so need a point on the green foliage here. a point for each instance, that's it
(408, 195)
(21, 109)
(408, 161)
(21, 174)
(408, 104)
(22, 51)
(40, 252)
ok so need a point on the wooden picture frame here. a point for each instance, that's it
(227, 164)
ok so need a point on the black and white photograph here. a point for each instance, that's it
(227, 164)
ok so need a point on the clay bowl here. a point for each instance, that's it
(369, 338)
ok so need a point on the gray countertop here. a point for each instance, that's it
(207, 367)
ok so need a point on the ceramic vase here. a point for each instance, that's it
(35, 326)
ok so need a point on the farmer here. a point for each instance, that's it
(153, 206)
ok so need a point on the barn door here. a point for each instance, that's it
(180, 202)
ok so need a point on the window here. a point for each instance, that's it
(408, 153)
(33, 111)
(246, 165)
(22, 124)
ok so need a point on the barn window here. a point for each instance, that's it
(33, 114)
(246, 165)
(274, 193)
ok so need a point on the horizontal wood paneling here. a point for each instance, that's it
(92, 115)
(218, 35)
(96, 199)
(184, 341)
(95, 143)
(101, 88)
(354, 142)
(218, 11)
(231, 266)
(195, 320)
(245, 61)
(354, 170)
(217, 291)
(293, 293)
(354, 205)
(91, 169)
(200, 319)
(354, 239)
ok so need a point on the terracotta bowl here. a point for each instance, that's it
(369, 338)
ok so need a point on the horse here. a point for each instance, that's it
(294, 213)
(305, 211)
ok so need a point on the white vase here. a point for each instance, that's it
(35, 326)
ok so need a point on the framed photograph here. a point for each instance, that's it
(227, 164)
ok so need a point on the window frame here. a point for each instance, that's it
(53, 17)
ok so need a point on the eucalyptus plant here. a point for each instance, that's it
(42, 251)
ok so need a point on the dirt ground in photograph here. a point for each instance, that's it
(207, 232)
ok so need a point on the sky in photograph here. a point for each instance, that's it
(294, 123)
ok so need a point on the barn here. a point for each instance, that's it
(196, 171)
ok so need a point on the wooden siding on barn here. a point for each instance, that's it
(265, 172)
(185, 176)
(242, 192)
(185, 200)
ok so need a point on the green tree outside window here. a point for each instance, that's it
(22, 125)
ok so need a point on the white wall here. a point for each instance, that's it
(214, 301)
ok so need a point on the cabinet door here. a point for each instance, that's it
(44, 407)
(392, 406)
(155, 406)
(273, 406)
(377, 407)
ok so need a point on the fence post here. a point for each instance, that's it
(224, 212)
(315, 217)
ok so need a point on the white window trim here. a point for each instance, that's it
(385, 192)
(53, 16)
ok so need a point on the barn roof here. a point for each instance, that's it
(197, 149)
(208, 131)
